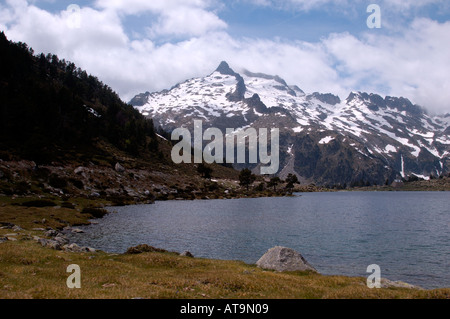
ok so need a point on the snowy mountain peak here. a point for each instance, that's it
(225, 69)
(363, 138)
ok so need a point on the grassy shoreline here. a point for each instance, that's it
(30, 271)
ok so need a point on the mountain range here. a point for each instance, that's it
(363, 140)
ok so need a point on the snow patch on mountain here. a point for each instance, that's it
(390, 129)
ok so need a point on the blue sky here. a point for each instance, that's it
(320, 45)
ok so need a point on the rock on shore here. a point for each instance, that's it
(284, 259)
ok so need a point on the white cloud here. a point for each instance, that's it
(305, 5)
(176, 17)
(413, 63)
(186, 21)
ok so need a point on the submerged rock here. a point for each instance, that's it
(284, 259)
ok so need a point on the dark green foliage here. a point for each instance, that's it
(260, 187)
(77, 183)
(39, 203)
(204, 171)
(57, 182)
(49, 106)
(95, 212)
(246, 178)
(274, 181)
(144, 249)
(211, 187)
(21, 188)
(68, 205)
(292, 179)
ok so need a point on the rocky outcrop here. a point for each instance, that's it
(386, 283)
(58, 241)
(284, 259)
(187, 254)
(141, 249)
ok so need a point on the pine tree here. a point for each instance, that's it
(274, 181)
(246, 178)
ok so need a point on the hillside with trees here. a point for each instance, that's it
(65, 133)
(49, 107)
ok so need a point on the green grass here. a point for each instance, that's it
(57, 217)
(28, 271)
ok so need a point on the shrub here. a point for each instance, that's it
(144, 249)
(39, 203)
(95, 212)
(22, 188)
(57, 182)
(77, 183)
(68, 205)
(260, 187)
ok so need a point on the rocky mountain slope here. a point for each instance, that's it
(65, 133)
(364, 139)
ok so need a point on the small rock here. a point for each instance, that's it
(44, 221)
(3, 239)
(77, 231)
(17, 228)
(53, 244)
(7, 225)
(38, 229)
(43, 242)
(11, 235)
(51, 233)
(11, 238)
(72, 248)
(61, 239)
(119, 168)
(79, 170)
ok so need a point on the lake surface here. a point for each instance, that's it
(406, 233)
